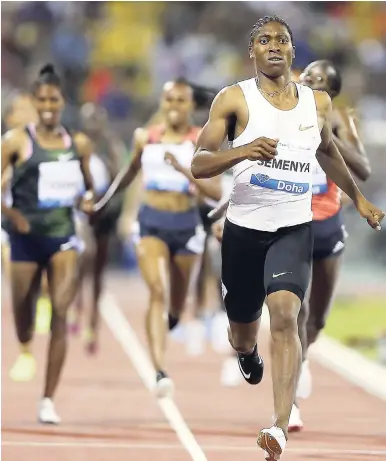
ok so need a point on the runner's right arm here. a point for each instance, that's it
(208, 160)
(128, 173)
(11, 146)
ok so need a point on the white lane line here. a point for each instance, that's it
(210, 448)
(350, 365)
(125, 335)
(346, 362)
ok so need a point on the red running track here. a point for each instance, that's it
(108, 413)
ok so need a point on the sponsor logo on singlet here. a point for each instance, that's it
(264, 180)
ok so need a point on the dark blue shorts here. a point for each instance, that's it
(39, 249)
(190, 241)
(329, 237)
(183, 233)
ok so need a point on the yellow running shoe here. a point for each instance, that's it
(43, 316)
(24, 368)
(91, 341)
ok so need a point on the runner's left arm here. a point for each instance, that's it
(331, 161)
(350, 145)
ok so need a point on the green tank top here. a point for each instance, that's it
(44, 188)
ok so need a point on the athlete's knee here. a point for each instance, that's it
(242, 344)
(242, 340)
(157, 293)
(60, 304)
(316, 323)
(62, 299)
(59, 322)
(303, 314)
(284, 310)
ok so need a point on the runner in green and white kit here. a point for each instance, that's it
(48, 168)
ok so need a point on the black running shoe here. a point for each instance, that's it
(173, 321)
(251, 366)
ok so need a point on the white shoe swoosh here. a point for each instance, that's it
(246, 376)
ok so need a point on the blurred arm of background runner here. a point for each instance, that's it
(350, 145)
(85, 149)
(6, 179)
(210, 188)
(134, 194)
(11, 145)
(133, 199)
(218, 228)
(331, 160)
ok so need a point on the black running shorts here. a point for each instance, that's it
(258, 263)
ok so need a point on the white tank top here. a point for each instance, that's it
(268, 195)
(159, 175)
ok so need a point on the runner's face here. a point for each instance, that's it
(315, 76)
(49, 103)
(272, 49)
(177, 103)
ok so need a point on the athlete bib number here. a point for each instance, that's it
(59, 184)
(319, 181)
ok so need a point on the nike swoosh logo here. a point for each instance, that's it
(246, 376)
(304, 128)
(281, 273)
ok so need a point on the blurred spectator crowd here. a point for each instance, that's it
(119, 54)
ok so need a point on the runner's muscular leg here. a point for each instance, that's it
(25, 286)
(181, 270)
(153, 260)
(325, 274)
(62, 282)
